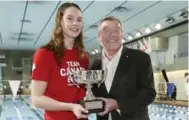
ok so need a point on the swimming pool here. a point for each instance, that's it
(20, 109)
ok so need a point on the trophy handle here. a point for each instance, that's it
(104, 74)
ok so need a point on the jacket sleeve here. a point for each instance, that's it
(146, 90)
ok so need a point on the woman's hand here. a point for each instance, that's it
(79, 111)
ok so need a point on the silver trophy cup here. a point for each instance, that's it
(90, 77)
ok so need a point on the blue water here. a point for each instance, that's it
(20, 109)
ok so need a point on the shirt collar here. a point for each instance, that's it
(117, 55)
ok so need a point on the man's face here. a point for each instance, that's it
(111, 35)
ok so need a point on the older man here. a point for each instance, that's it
(129, 85)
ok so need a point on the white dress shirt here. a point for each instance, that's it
(110, 66)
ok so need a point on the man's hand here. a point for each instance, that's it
(110, 104)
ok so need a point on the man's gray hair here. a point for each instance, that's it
(109, 18)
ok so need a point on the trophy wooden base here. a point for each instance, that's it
(93, 106)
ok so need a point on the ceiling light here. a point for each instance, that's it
(96, 50)
(158, 26)
(123, 40)
(121, 9)
(37, 1)
(24, 33)
(130, 37)
(93, 52)
(184, 14)
(25, 21)
(147, 30)
(93, 26)
(21, 38)
(138, 34)
(170, 19)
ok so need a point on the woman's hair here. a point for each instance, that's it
(56, 44)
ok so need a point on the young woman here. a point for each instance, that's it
(52, 90)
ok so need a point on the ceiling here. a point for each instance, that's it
(158, 57)
(39, 16)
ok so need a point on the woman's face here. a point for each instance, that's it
(72, 22)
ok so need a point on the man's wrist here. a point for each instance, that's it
(117, 108)
(116, 105)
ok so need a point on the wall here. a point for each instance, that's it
(179, 64)
(8, 72)
(175, 73)
(176, 77)
(172, 49)
(183, 43)
(0, 73)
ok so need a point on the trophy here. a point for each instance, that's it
(90, 77)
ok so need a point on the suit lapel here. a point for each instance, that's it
(121, 69)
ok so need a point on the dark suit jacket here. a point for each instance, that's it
(132, 87)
